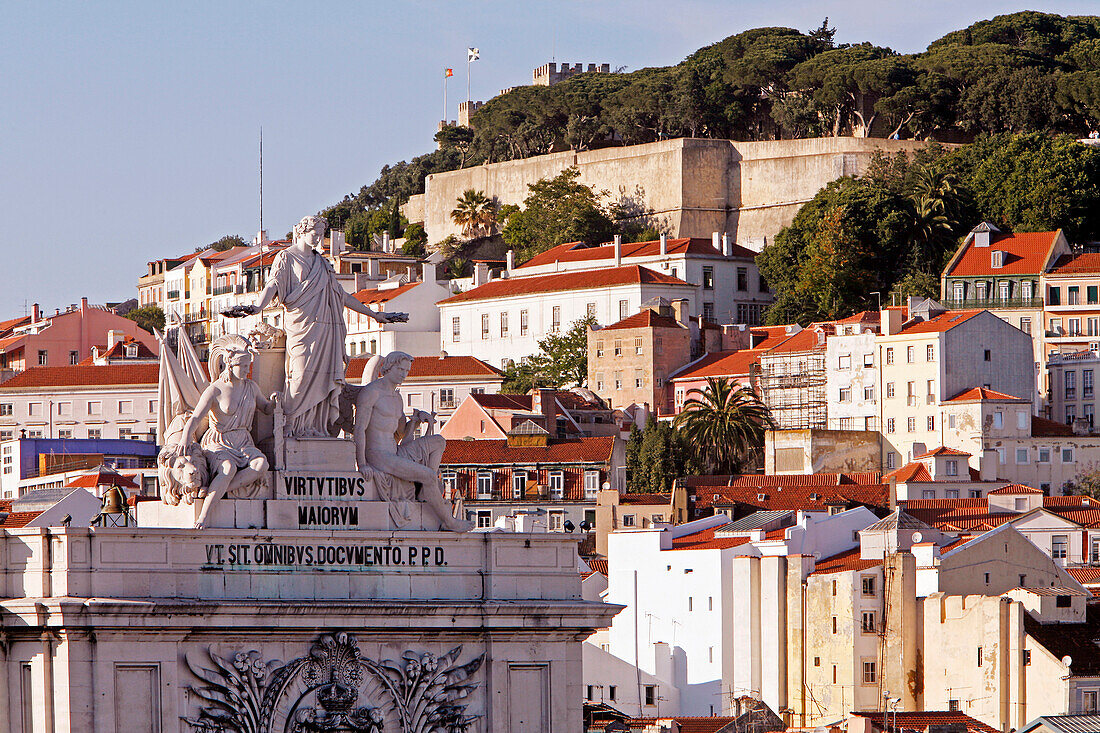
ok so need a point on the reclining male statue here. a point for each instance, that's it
(403, 467)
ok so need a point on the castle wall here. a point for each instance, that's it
(695, 186)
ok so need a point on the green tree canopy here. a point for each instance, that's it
(149, 317)
(723, 425)
(655, 458)
(561, 362)
(556, 211)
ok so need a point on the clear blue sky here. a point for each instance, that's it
(128, 130)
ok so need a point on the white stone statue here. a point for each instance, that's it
(305, 284)
(230, 402)
(403, 467)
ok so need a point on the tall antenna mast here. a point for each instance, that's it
(261, 181)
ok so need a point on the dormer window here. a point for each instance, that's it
(998, 258)
(761, 497)
(131, 351)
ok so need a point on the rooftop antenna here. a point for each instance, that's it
(261, 186)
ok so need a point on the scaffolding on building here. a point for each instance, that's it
(793, 388)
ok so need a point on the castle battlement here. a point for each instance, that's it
(549, 74)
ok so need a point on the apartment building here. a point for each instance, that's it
(936, 356)
(731, 289)
(852, 385)
(1072, 308)
(419, 336)
(502, 321)
(1072, 389)
(562, 413)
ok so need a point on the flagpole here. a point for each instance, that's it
(444, 96)
(468, 60)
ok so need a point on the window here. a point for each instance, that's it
(743, 279)
(599, 381)
(34, 409)
(484, 485)
(834, 624)
(599, 348)
(928, 494)
(845, 423)
(997, 258)
(557, 484)
(998, 419)
(628, 520)
(845, 394)
(952, 493)
(590, 310)
(867, 582)
(1044, 456)
(519, 484)
(958, 291)
(1056, 326)
(867, 623)
(953, 706)
(43, 358)
(951, 421)
(94, 433)
(1088, 699)
(952, 468)
(890, 389)
(1059, 546)
(708, 278)
(623, 309)
(5, 409)
(889, 424)
(708, 311)
(844, 361)
(639, 378)
(912, 425)
(504, 323)
(890, 355)
(1086, 383)
(1073, 295)
(1067, 455)
(988, 356)
(125, 434)
(1025, 325)
(651, 693)
(931, 394)
(1021, 456)
(125, 407)
(484, 518)
(868, 394)
(522, 323)
(891, 460)
(1054, 295)
(930, 352)
(447, 397)
(555, 318)
(868, 360)
(1003, 290)
(591, 484)
(869, 677)
(450, 483)
(557, 520)
(980, 656)
(931, 423)
(1071, 414)
(74, 358)
(618, 347)
(1075, 327)
(637, 345)
(484, 325)
(911, 393)
(909, 353)
(1062, 602)
(1020, 504)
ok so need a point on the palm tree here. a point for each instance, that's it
(722, 424)
(475, 212)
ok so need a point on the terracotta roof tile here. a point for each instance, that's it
(497, 452)
(15, 520)
(84, 376)
(646, 318)
(923, 720)
(430, 367)
(1087, 263)
(861, 317)
(598, 564)
(909, 473)
(579, 252)
(1085, 575)
(944, 451)
(941, 323)
(650, 499)
(1015, 489)
(721, 364)
(705, 540)
(768, 335)
(1026, 254)
(975, 394)
(1075, 502)
(372, 297)
(101, 477)
(1077, 641)
(566, 281)
(844, 562)
(1043, 428)
(816, 492)
(13, 323)
(11, 342)
(910, 505)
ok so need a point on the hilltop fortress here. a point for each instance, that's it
(694, 186)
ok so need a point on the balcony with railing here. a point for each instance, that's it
(986, 303)
(173, 295)
(195, 316)
(224, 289)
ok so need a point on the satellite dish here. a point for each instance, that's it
(606, 485)
(917, 538)
(1067, 660)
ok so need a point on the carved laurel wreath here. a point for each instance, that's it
(319, 692)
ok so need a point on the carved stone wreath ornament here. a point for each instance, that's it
(334, 689)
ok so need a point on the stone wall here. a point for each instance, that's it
(695, 186)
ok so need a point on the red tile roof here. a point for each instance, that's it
(579, 252)
(15, 520)
(101, 477)
(646, 318)
(909, 473)
(705, 540)
(765, 334)
(687, 723)
(1015, 489)
(14, 323)
(498, 452)
(524, 402)
(941, 323)
(436, 367)
(566, 281)
(84, 376)
(598, 564)
(1025, 254)
(1043, 428)
(12, 342)
(922, 720)
(909, 505)
(1087, 263)
(118, 351)
(1070, 501)
(944, 451)
(815, 492)
(976, 394)
(844, 562)
(650, 499)
(372, 297)
(861, 318)
(805, 340)
(1085, 575)
(721, 364)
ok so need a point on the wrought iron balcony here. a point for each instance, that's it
(983, 303)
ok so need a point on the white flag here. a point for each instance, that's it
(473, 54)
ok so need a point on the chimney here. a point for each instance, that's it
(664, 244)
(890, 321)
(481, 273)
(83, 305)
(679, 310)
(386, 241)
(716, 241)
(115, 337)
(618, 250)
(427, 272)
(727, 250)
(36, 314)
(543, 400)
(338, 242)
(510, 260)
